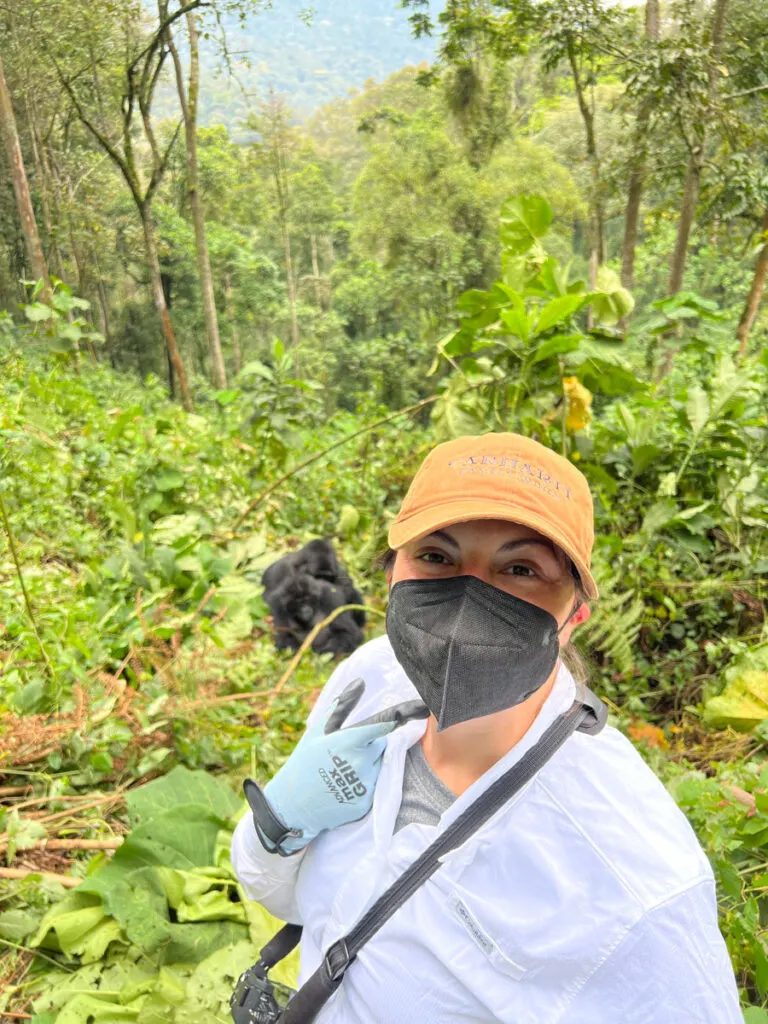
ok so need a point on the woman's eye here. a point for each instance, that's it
(521, 570)
(433, 557)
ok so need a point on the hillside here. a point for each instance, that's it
(343, 44)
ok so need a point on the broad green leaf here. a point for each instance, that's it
(644, 455)
(689, 513)
(78, 926)
(349, 520)
(109, 980)
(556, 346)
(607, 280)
(37, 312)
(211, 984)
(22, 833)
(697, 408)
(761, 969)
(627, 418)
(554, 277)
(451, 419)
(755, 1015)
(181, 786)
(16, 925)
(62, 345)
(202, 895)
(606, 376)
(226, 397)
(475, 300)
(667, 485)
(170, 529)
(457, 344)
(524, 220)
(97, 1009)
(658, 515)
(255, 368)
(516, 319)
(169, 480)
(726, 384)
(558, 311)
(72, 332)
(742, 705)
(189, 563)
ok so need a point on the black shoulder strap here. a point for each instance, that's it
(587, 714)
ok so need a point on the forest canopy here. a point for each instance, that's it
(239, 302)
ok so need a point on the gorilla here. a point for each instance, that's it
(301, 589)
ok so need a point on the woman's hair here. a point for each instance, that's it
(572, 658)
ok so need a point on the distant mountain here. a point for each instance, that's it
(345, 43)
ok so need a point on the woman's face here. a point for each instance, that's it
(513, 558)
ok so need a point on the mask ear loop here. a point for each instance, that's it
(572, 612)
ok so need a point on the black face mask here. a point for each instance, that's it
(470, 649)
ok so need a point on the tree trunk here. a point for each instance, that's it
(295, 338)
(237, 357)
(696, 160)
(282, 205)
(174, 356)
(637, 175)
(104, 318)
(316, 279)
(755, 292)
(693, 174)
(598, 251)
(685, 222)
(43, 176)
(188, 102)
(21, 188)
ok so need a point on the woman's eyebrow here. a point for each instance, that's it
(442, 535)
(512, 544)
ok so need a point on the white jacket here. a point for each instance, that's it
(585, 900)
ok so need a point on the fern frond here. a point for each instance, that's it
(614, 625)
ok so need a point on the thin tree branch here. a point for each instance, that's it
(157, 178)
(745, 92)
(166, 23)
(102, 139)
(68, 881)
(261, 498)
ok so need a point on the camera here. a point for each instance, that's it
(256, 999)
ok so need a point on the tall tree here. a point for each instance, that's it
(140, 74)
(21, 186)
(278, 140)
(188, 99)
(754, 298)
(697, 143)
(638, 160)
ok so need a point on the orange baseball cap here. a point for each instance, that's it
(501, 476)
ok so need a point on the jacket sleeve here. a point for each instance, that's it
(266, 877)
(673, 965)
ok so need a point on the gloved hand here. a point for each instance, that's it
(329, 778)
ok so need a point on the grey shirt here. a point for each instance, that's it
(425, 798)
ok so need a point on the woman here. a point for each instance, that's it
(586, 899)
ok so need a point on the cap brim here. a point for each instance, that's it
(420, 524)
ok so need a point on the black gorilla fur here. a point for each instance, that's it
(303, 588)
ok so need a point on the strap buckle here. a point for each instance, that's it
(595, 712)
(336, 960)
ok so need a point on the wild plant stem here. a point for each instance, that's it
(27, 601)
(260, 498)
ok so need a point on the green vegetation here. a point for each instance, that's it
(559, 229)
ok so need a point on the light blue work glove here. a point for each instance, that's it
(330, 777)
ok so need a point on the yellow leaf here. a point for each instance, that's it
(579, 401)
